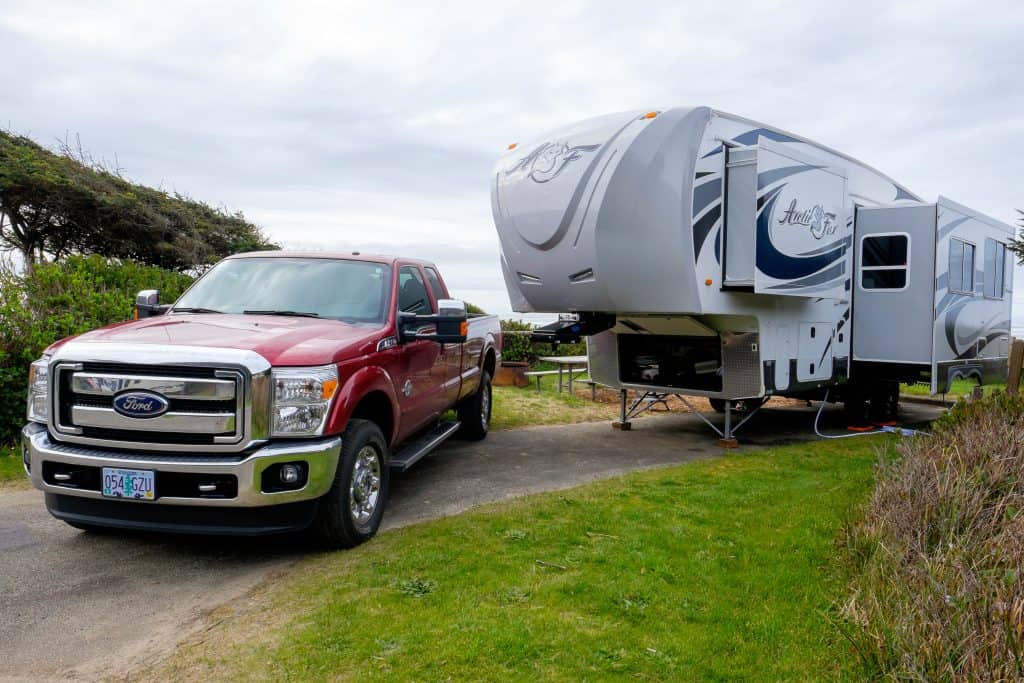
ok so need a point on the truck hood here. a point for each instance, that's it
(280, 340)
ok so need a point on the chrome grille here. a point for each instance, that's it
(206, 406)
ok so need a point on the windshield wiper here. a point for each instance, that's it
(195, 310)
(300, 314)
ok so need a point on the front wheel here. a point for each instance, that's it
(351, 511)
(475, 411)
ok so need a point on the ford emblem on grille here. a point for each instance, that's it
(141, 404)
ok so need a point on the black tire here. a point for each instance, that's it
(745, 405)
(749, 405)
(885, 401)
(856, 408)
(475, 412)
(341, 520)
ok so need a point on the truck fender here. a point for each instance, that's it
(357, 386)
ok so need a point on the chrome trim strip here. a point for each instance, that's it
(252, 394)
(322, 456)
(185, 423)
(108, 384)
(83, 350)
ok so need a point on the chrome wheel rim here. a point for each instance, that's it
(485, 407)
(364, 487)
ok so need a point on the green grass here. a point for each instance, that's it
(716, 570)
(960, 387)
(522, 407)
(10, 464)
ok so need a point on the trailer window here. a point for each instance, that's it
(995, 269)
(883, 261)
(961, 266)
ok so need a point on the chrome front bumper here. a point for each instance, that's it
(321, 456)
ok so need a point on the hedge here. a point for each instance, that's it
(57, 300)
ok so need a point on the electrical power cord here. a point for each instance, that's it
(902, 431)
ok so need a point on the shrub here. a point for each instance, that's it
(940, 550)
(515, 343)
(58, 300)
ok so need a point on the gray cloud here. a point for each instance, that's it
(371, 126)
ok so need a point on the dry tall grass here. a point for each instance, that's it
(940, 553)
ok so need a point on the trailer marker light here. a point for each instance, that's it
(650, 115)
(708, 282)
(513, 145)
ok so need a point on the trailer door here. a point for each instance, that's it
(894, 257)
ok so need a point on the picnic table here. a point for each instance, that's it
(570, 365)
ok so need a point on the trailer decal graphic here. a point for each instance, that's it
(548, 160)
(702, 228)
(705, 194)
(778, 265)
(750, 138)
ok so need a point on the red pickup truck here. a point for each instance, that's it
(275, 395)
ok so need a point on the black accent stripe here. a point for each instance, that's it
(702, 227)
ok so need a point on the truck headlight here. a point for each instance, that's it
(302, 399)
(39, 390)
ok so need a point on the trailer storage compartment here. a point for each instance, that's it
(678, 362)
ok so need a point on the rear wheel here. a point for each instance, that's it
(351, 511)
(743, 405)
(856, 408)
(475, 411)
(885, 401)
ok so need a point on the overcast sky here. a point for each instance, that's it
(375, 126)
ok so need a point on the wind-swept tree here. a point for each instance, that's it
(1017, 243)
(61, 203)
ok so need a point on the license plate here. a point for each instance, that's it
(137, 484)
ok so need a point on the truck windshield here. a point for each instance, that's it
(353, 291)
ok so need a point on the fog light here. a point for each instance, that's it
(290, 474)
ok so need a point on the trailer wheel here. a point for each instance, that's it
(351, 511)
(475, 411)
(885, 400)
(744, 405)
(856, 407)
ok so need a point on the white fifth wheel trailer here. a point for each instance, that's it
(708, 255)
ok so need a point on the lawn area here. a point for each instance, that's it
(522, 407)
(960, 387)
(10, 465)
(723, 569)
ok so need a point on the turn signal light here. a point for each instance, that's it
(329, 387)
(513, 145)
(650, 115)
(464, 328)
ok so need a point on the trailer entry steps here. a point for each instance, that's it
(420, 446)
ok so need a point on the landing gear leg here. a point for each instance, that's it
(623, 424)
(728, 440)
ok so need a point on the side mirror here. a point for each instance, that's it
(449, 326)
(147, 304)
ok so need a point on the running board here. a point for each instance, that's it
(415, 450)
